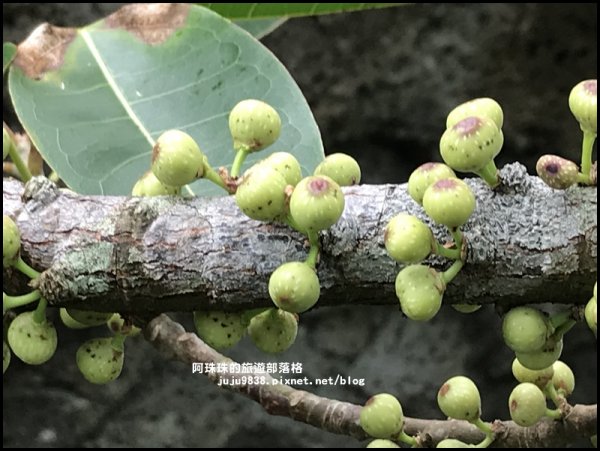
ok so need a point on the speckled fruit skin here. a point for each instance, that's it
(148, 185)
(425, 176)
(563, 378)
(471, 143)
(89, 318)
(254, 125)
(544, 358)
(557, 172)
(527, 404)
(583, 102)
(33, 343)
(11, 241)
(382, 443)
(382, 416)
(316, 203)
(459, 398)
(261, 195)
(452, 443)
(69, 321)
(273, 331)
(177, 159)
(591, 315)
(5, 357)
(286, 164)
(525, 329)
(419, 289)
(99, 361)
(220, 330)
(341, 168)
(481, 107)
(294, 287)
(407, 239)
(449, 202)
(537, 377)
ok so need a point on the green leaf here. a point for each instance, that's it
(94, 100)
(9, 51)
(262, 10)
(260, 27)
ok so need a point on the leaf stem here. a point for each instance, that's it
(18, 161)
(10, 302)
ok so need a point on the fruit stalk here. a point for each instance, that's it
(408, 439)
(39, 314)
(238, 161)
(10, 302)
(489, 173)
(587, 147)
(18, 161)
(313, 253)
(26, 269)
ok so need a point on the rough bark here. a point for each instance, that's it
(343, 418)
(526, 243)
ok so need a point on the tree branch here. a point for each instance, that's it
(343, 418)
(526, 242)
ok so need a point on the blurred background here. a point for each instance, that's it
(380, 84)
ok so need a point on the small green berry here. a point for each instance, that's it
(341, 168)
(557, 172)
(11, 241)
(117, 325)
(99, 360)
(6, 143)
(541, 359)
(274, 330)
(381, 443)
(584, 106)
(563, 378)
(294, 287)
(590, 314)
(177, 159)
(425, 176)
(481, 107)
(5, 356)
(148, 185)
(382, 416)
(89, 318)
(537, 377)
(254, 125)
(593, 441)
(525, 329)
(466, 308)
(449, 202)
(453, 443)
(595, 287)
(316, 203)
(459, 398)
(261, 195)
(69, 321)
(471, 144)
(407, 239)
(420, 290)
(527, 404)
(286, 164)
(34, 343)
(220, 330)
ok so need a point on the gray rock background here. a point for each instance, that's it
(380, 84)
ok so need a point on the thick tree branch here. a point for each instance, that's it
(526, 242)
(343, 418)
